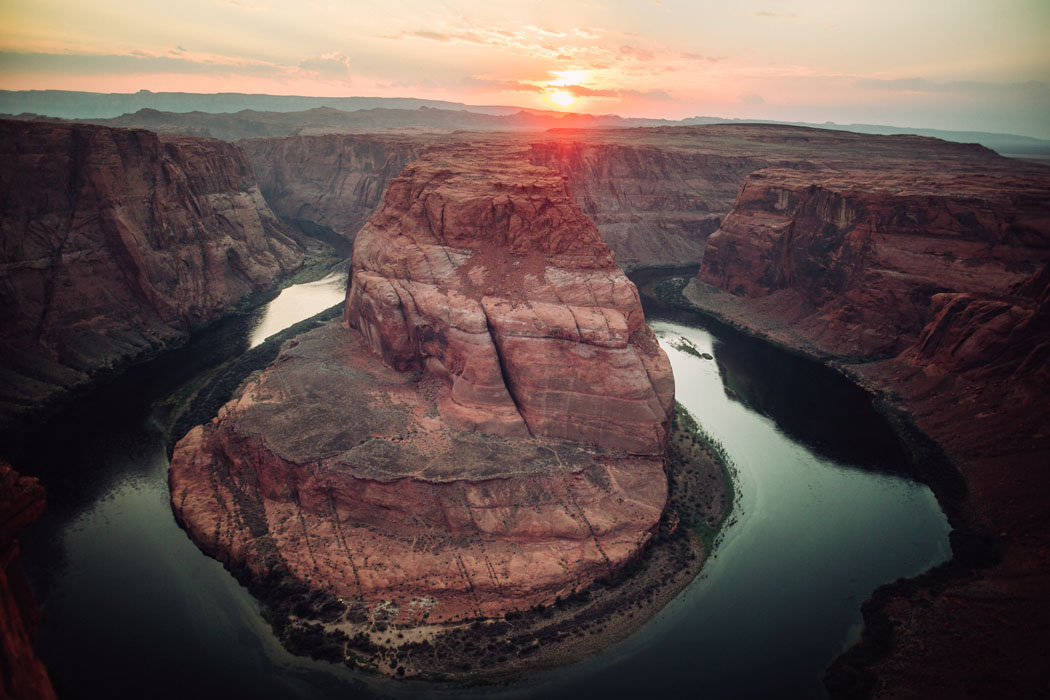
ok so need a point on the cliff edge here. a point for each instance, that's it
(485, 432)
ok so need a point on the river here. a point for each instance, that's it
(130, 607)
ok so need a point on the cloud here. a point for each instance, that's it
(584, 91)
(634, 53)
(329, 66)
(135, 62)
(506, 85)
(776, 15)
(750, 98)
(921, 85)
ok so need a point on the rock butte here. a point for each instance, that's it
(485, 432)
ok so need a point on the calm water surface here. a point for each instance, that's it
(130, 608)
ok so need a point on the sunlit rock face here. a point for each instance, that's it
(487, 429)
(115, 242)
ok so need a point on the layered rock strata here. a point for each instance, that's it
(22, 675)
(336, 181)
(117, 241)
(931, 289)
(486, 432)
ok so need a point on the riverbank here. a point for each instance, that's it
(316, 624)
(917, 630)
(315, 267)
(488, 651)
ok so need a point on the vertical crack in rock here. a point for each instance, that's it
(414, 410)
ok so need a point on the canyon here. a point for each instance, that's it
(116, 243)
(930, 288)
(485, 431)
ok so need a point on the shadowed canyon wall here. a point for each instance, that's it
(114, 242)
(930, 286)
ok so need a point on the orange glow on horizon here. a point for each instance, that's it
(562, 98)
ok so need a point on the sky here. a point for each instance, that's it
(948, 64)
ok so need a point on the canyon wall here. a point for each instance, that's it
(488, 430)
(22, 675)
(114, 242)
(931, 287)
(654, 206)
(335, 181)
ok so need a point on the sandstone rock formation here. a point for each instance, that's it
(22, 674)
(931, 286)
(487, 434)
(653, 205)
(864, 257)
(334, 180)
(115, 242)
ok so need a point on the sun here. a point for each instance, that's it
(562, 98)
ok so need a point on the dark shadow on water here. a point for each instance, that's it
(809, 402)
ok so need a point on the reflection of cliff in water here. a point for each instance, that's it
(797, 394)
(810, 403)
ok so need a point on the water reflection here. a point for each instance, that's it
(296, 303)
(135, 610)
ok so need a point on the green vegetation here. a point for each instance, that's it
(706, 531)
(685, 345)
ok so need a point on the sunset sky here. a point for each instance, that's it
(951, 64)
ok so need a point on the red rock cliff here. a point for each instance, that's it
(333, 180)
(22, 674)
(860, 255)
(653, 205)
(115, 242)
(931, 283)
(430, 459)
(492, 280)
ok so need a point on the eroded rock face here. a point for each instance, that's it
(488, 430)
(115, 242)
(22, 674)
(653, 205)
(333, 180)
(862, 260)
(493, 281)
(931, 287)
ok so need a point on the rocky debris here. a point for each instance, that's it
(116, 242)
(22, 675)
(490, 432)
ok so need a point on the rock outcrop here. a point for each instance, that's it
(114, 243)
(864, 258)
(931, 287)
(335, 181)
(22, 674)
(487, 431)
